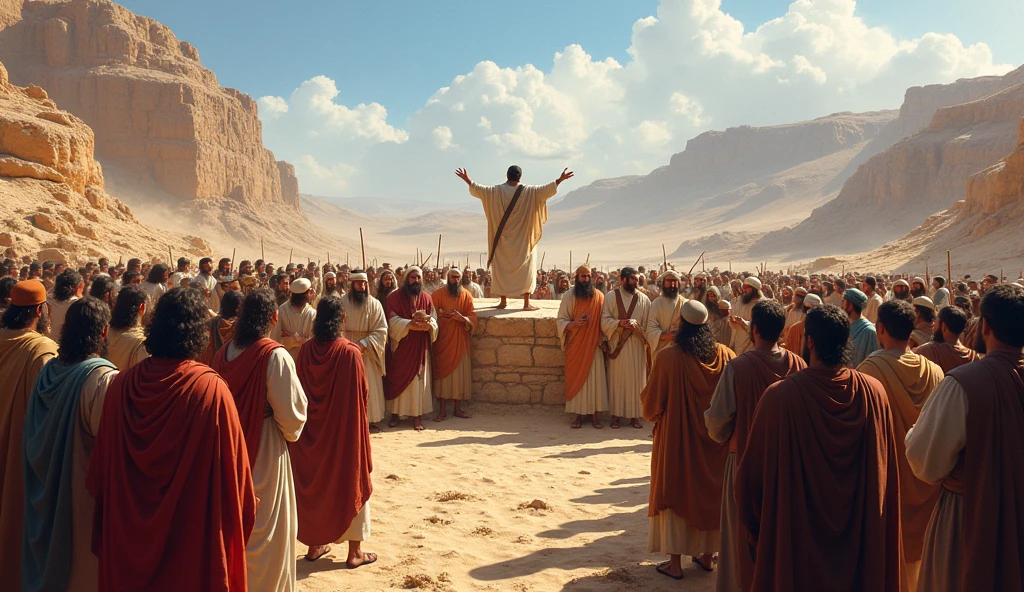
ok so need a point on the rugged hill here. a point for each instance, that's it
(918, 176)
(52, 199)
(156, 111)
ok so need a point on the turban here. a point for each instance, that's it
(715, 290)
(753, 282)
(812, 301)
(329, 275)
(724, 305)
(226, 279)
(925, 302)
(456, 271)
(694, 312)
(28, 293)
(855, 296)
(671, 273)
(355, 277)
(801, 291)
(917, 280)
(901, 283)
(413, 268)
(301, 286)
(581, 269)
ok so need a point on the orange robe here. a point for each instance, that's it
(579, 351)
(453, 340)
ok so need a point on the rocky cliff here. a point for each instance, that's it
(52, 199)
(925, 173)
(157, 112)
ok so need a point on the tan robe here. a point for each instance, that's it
(741, 342)
(297, 323)
(366, 326)
(23, 353)
(627, 373)
(514, 267)
(663, 318)
(126, 347)
(593, 395)
(417, 398)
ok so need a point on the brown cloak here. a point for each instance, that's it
(687, 466)
(946, 355)
(818, 486)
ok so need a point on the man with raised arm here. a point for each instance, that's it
(513, 230)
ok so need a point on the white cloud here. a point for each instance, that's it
(690, 67)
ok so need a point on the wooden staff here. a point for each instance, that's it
(290, 253)
(481, 259)
(664, 256)
(427, 260)
(545, 254)
(439, 249)
(232, 269)
(362, 246)
(587, 262)
(949, 267)
(263, 253)
(170, 256)
(695, 263)
(570, 261)
(702, 266)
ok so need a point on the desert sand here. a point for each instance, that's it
(450, 509)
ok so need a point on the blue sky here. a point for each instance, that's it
(398, 53)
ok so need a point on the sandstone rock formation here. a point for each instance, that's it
(918, 176)
(155, 109)
(52, 200)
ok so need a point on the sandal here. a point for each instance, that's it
(660, 569)
(325, 550)
(614, 424)
(636, 424)
(368, 558)
(701, 564)
(576, 424)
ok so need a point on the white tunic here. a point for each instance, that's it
(663, 317)
(366, 325)
(627, 374)
(417, 398)
(514, 271)
(298, 324)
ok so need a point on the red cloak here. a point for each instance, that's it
(246, 376)
(175, 503)
(405, 362)
(331, 462)
(818, 486)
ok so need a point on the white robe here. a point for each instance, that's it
(297, 323)
(741, 342)
(627, 374)
(270, 553)
(593, 395)
(513, 268)
(417, 398)
(366, 325)
(663, 317)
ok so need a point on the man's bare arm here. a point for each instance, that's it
(565, 176)
(462, 174)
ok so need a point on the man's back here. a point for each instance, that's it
(818, 485)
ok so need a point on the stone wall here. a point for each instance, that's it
(516, 356)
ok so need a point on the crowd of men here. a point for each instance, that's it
(166, 428)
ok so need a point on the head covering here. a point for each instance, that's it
(903, 283)
(355, 277)
(411, 269)
(724, 305)
(812, 301)
(917, 280)
(331, 274)
(301, 286)
(28, 293)
(753, 282)
(671, 273)
(855, 296)
(925, 302)
(694, 312)
(800, 291)
(715, 290)
(456, 271)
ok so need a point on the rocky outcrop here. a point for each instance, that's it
(925, 173)
(157, 112)
(52, 199)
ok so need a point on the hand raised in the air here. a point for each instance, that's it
(565, 176)
(462, 174)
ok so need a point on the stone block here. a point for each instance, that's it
(507, 377)
(484, 357)
(546, 328)
(487, 342)
(519, 394)
(494, 392)
(549, 357)
(510, 327)
(552, 341)
(482, 375)
(515, 355)
(520, 340)
(554, 394)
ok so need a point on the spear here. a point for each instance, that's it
(664, 256)
(545, 254)
(949, 267)
(587, 262)
(439, 249)
(263, 253)
(362, 246)
(698, 261)
(702, 266)
(570, 260)
(429, 257)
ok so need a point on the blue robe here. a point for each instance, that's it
(863, 339)
(50, 423)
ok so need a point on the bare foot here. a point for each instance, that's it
(442, 417)
(530, 307)
(503, 304)
(394, 421)
(417, 424)
(462, 414)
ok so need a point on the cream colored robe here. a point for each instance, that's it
(366, 325)
(514, 267)
(740, 341)
(270, 553)
(627, 374)
(126, 347)
(593, 397)
(58, 310)
(417, 398)
(663, 317)
(297, 323)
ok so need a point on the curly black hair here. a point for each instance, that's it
(329, 316)
(897, 316)
(254, 320)
(82, 334)
(157, 273)
(102, 288)
(697, 340)
(954, 318)
(179, 329)
(229, 304)
(126, 309)
(6, 285)
(770, 319)
(1002, 309)
(66, 284)
(829, 327)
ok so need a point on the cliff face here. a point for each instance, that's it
(925, 173)
(157, 112)
(52, 201)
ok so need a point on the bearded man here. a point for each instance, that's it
(331, 284)
(901, 291)
(719, 317)
(579, 333)
(181, 273)
(295, 318)
(945, 348)
(940, 294)
(795, 312)
(741, 310)
(453, 369)
(794, 340)
(918, 288)
(624, 317)
(686, 464)
(367, 327)
(924, 310)
(386, 284)
(968, 438)
(209, 282)
(868, 287)
(818, 486)
(412, 327)
(469, 283)
(24, 351)
(699, 290)
(515, 222)
(562, 286)
(156, 283)
(663, 319)
(272, 410)
(728, 419)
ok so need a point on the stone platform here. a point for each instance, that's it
(516, 356)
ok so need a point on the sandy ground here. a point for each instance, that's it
(449, 509)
